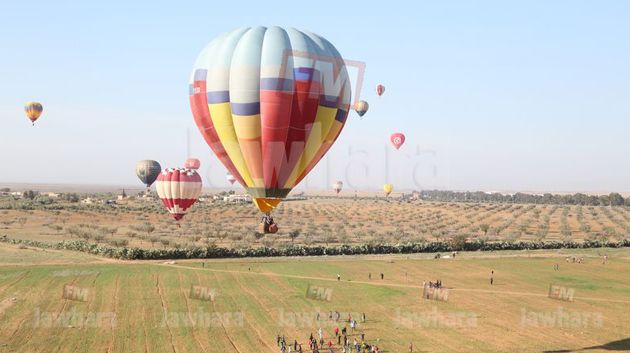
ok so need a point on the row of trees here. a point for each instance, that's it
(457, 244)
(613, 199)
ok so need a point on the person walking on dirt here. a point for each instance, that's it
(338, 277)
(362, 317)
(370, 275)
(492, 277)
(382, 275)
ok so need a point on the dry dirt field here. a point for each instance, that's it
(148, 306)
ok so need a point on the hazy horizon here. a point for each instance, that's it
(492, 96)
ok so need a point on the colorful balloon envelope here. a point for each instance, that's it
(380, 89)
(192, 163)
(270, 102)
(388, 188)
(397, 139)
(230, 178)
(178, 189)
(337, 186)
(33, 111)
(361, 107)
(147, 171)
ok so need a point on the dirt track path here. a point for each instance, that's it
(398, 285)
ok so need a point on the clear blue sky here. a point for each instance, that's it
(496, 95)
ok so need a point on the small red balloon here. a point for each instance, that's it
(192, 163)
(397, 139)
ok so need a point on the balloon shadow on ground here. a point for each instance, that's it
(621, 345)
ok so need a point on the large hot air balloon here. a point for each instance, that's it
(147, 171)
(270, 102)
(388, 188)
(380, 89)
(230, 178)
(397, 139)
(361, 107)
(337, 186)
(178, 189)
(192, 163)
(33, 111)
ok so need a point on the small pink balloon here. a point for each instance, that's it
(192, 163)
(397, 139)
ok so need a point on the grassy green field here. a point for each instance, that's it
(148, 306)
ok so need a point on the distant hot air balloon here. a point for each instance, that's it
(397, 139)
(33, 110)
(178, 189)
(269, 120)
(388, 188)
(192, 163)
(380, 89)
(337, 186)
(361, 107)
(147, 171)
(230, 178)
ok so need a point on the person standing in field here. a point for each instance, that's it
(338, 277)
(382, 275)
(492, 277)
(370, 275)
(362, 317)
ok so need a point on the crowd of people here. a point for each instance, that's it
(340, 340)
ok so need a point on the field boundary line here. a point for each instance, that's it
(398, 285)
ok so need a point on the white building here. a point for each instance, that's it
(237, 198)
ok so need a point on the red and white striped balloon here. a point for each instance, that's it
(178, 189)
